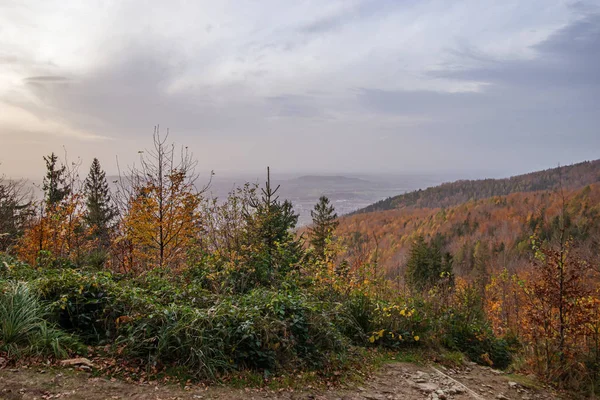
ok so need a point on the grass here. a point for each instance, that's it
(23, 329)
(525, 381)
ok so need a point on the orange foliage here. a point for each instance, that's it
(506, 221)
(160, 225)
(59, 232)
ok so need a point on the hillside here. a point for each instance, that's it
(499, 226)
(454, 193)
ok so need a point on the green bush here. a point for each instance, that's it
(82, 302)
(260, 330)
(478, 342)
(466, 329)
(165, 320)
(23, 328)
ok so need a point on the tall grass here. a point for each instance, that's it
(23, 328)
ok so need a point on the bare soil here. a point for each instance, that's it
(393, 381)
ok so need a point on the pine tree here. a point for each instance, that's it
(55, 184)
(270, 223)
(324, 225)
(15, 211)
(100, 211)
(427, 265)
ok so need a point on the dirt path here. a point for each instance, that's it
(393, 381)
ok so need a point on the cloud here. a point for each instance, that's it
(16, 119)
(46, 79)
(568, 57)
(246, 83)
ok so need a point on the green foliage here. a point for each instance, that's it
(100, 211)
(23, 327)
(269, 249)
(16, 208)
(324, 223)
(55, 184)
(261, 329)
(427, 266)
(466, 329)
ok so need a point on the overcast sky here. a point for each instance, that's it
(308, 86)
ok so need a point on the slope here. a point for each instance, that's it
(454, 193)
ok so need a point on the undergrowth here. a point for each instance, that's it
(173, 324)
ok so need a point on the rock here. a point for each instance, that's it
(501, 396)
(427, 387)
(374, 396)
(77, 362)
(513, 385)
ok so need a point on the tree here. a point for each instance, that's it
(159, 208)
(482, 257)
(57, 234)
(100, 212)
(325, 222)
(15, 211)
(427, 265)
(55, 184)
(274, 248)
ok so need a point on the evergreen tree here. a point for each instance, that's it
(100, 212)
(270, 223)
(481, 257)
(55, 184)
(427, 265)
(325, 222)
(15, 210)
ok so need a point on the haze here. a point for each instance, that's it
(335, 86)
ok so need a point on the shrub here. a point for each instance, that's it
(260, 330)
(81, 302)
(466, 329)
(23, 328)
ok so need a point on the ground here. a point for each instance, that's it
(393, 381)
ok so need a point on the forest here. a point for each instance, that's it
(455, 193)
(156, 279)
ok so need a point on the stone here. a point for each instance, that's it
(77, 362)
(427, 387)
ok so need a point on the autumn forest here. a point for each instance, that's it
(151, 277)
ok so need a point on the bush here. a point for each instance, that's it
(260, 330)
(23, 329)
(466, 329)
(82, 302)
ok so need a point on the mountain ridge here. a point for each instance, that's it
(454, 193)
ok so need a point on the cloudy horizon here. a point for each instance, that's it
(339, 86)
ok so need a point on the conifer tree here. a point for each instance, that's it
(270, 223)
(55, 184)
(100, 212)
(15, 211)
(325, 222)
(427, 265)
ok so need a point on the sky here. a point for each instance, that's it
(352, 86)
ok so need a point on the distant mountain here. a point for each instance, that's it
(451, 194)
(329, 179)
